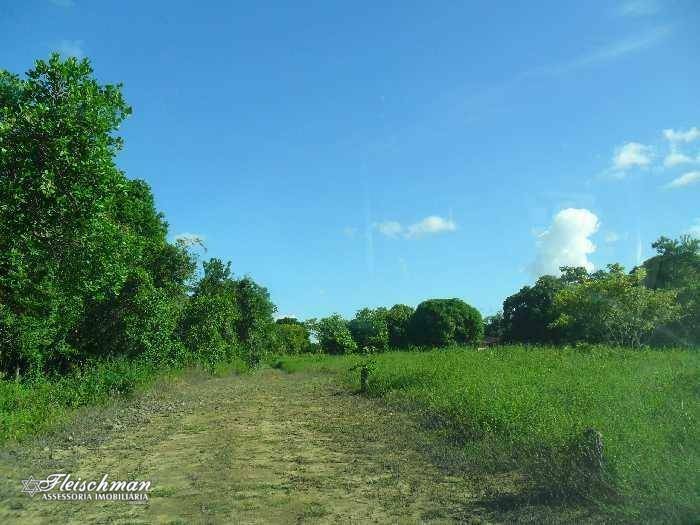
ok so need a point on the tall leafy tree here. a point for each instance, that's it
(73, 229)
(333, 335)
(528, 314)
(397, 319)
(676, 266)
(444, 322)
(614, 307)
(369, 329)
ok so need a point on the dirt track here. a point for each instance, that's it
(265, 448)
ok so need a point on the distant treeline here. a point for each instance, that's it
(656, 304)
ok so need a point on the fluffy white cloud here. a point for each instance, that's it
(632, 154)
(692, 177)
(566, 242)
(390, 228)
(431, 225)
(688, 135)
(676, 159)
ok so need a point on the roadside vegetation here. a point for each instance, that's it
(528, 409)
(95, 300)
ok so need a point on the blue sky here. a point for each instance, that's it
(350, 154)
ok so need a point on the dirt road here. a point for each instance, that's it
(264, 448)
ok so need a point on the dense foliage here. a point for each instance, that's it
(333, 335)
(397, 319)
(677, 267)
(369, 329)
(86, 271)
(657, 303)
(445, 322)
(292, 336)
(614, 307)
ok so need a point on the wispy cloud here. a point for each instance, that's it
(607, 53)
(692, 177)
(677, 159)
(632, 154)
(635, 8)
(431, 225)
(675, 136)
(71, 48)
(390, 228)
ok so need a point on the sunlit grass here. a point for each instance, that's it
(524, 407)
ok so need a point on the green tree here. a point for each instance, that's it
(208, 326)
(397, 319)
(444, 322)
(292, 337)
(494, 326)
(528, 314)
(369, 329)
(255, 323)
(333, 335)
(75, 233)
(614, 307)
(677, 267)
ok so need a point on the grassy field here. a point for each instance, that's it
(528, 409)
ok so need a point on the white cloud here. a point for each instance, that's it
(429, 226)
(71, 48)
(566, 242)
(632, 154)
(686, 136)
(676, 159)
(191, 239)
(390, 228)
(639, 8)
(692, 177)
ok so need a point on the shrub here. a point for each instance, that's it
(292, 338)
(334, 336)
(369, 329)
(444, 322)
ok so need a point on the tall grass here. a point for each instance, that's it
(33, 405)
(528, 408)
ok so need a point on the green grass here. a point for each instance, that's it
(32, 406)
(527, 408)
